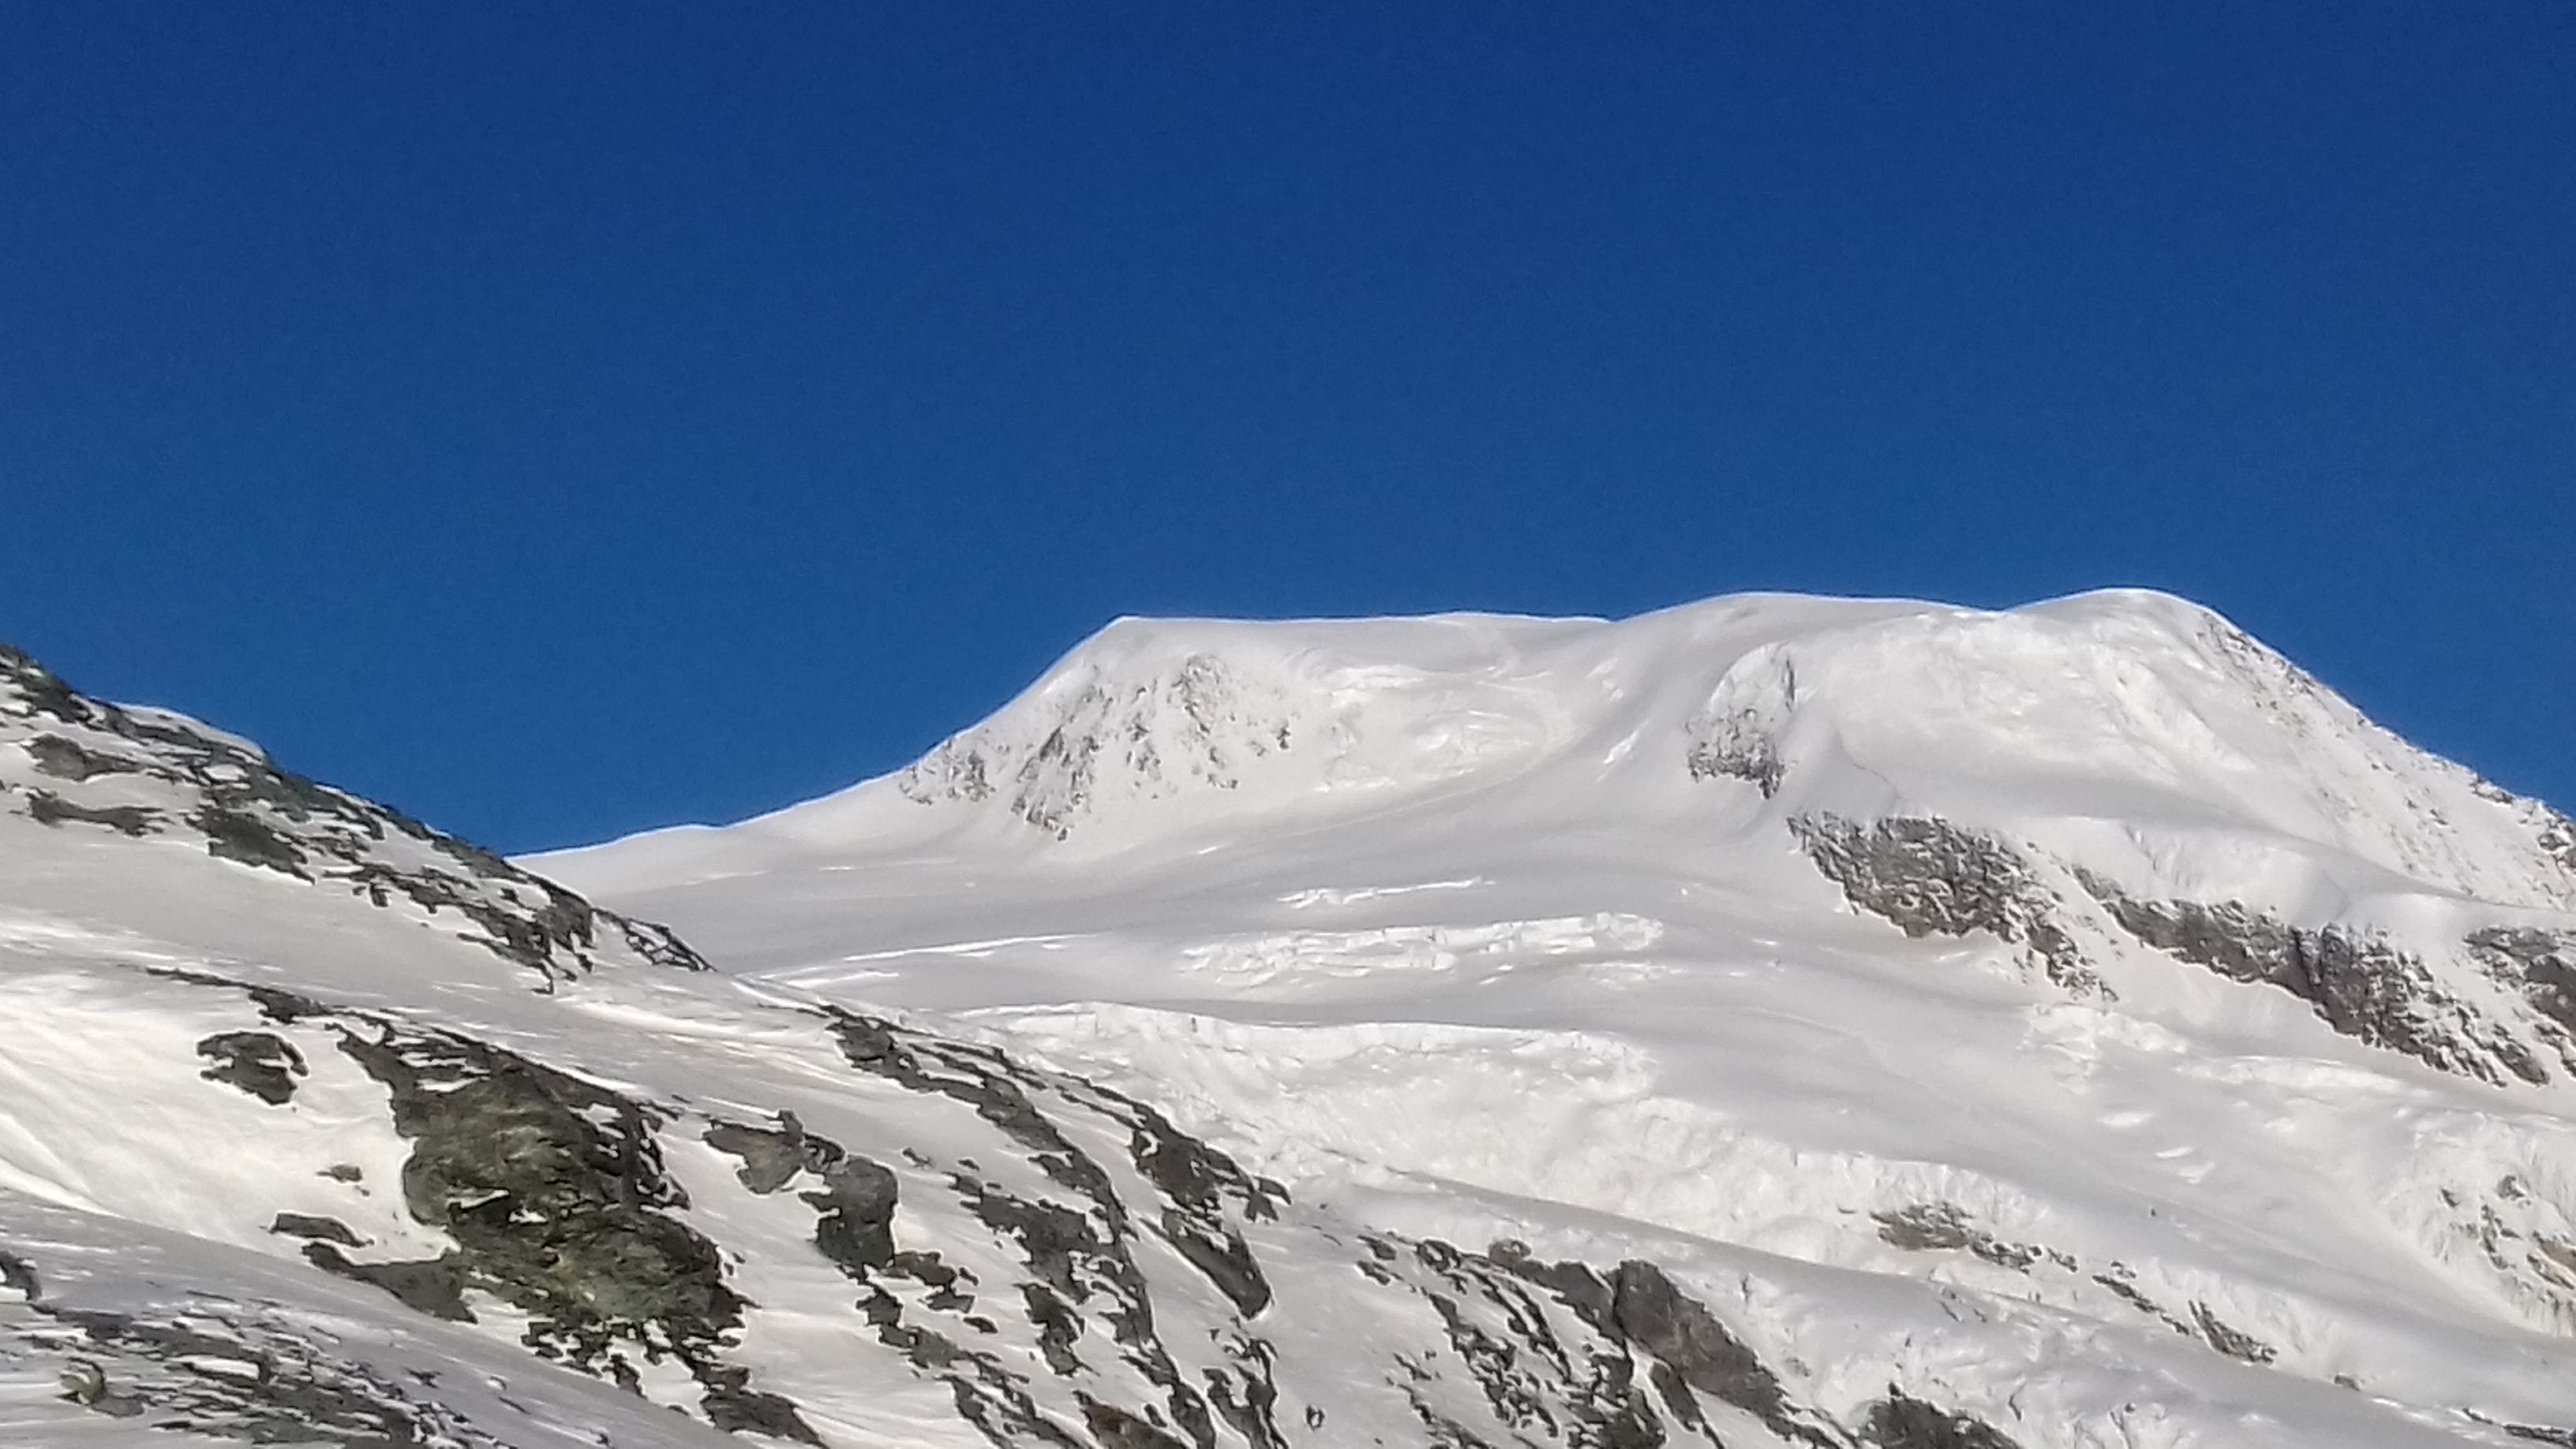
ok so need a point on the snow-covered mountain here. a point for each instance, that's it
(1776, 1021)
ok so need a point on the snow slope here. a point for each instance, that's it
(1771, 1021)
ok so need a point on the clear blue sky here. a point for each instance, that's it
(562, 420)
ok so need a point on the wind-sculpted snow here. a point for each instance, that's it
(1777, 1022)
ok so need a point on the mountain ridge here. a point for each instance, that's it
(1768, 1022)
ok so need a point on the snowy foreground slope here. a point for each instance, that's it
(1771, 1022)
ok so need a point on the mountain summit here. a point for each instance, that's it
(1774, 1021)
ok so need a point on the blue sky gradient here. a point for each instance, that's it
(560, 421)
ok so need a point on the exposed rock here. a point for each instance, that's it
(1187, 728)
(259, 1062)
(1677, 1330)
(435, 1286)
(1736, 746)
(2540, 967)
(1924, 1227)
(303, 1225)
(67, 760)
(19, 1274)
(554, 1211)
(2215, 1332)
(1932, 878)
(1899, 1422)
(855, 1226)
(2360, 986)
(736, 1408)
(1572, 1376)
(771, 1157)
(1115, 1428)
(1737, 733)
(238, 836)
(1080, 1261)
(1225, 1262)
(1202, 1185)
(249, 811)
(47, 808)
(2121, 1280)
(555, 1195)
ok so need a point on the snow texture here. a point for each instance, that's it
(1776, 1021)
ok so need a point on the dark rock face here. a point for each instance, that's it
(1681, 1333)
(1115, 1428)
(554, 1192)
(564, 1216)
(1932, 878)
(854, 1222)
(2361, 987)
(67, 760)
(143, 772)
(854, 1205)
(47, 808)
(1537, 1340)
(771, 1157)
(320, 1229)
(260, 1063)
(435, 1286)
(1898, 1422)
(1080, 1259)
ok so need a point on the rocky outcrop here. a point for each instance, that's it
(1078, 1242)
(1900, 1422)
(1189, 727)
(553, 1193)
(1932, 878)
(77, 762)
(2539, 967)
(259, 1062)
(552, 1189)
(2361, 986)
(1737, 733)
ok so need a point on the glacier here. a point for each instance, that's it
(1771, 1021)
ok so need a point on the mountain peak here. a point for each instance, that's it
(1801, 1023)
(2124, 705)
